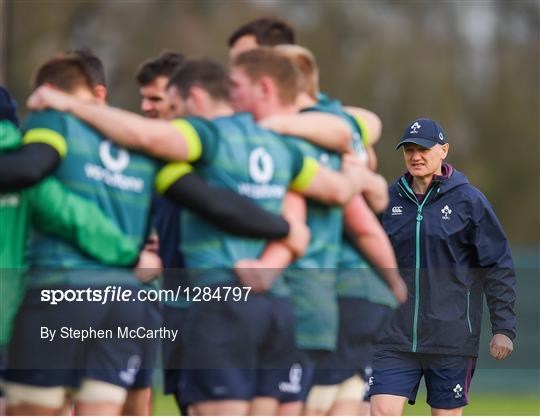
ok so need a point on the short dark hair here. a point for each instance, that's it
(267, 62)
(268, 31)
(94, 65)
(207, 74)
(66, 72)
(162, 66)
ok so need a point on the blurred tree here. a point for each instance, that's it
(473, 66)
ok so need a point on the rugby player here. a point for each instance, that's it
(361, 293)
(44, 391)
(202, 88)
(240, 215)
(52, 209)
(304, 290)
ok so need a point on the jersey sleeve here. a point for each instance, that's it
(57, 211)
(48, 127)
(169, 174)
(201, 136)
(304, 168)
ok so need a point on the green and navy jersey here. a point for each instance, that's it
(312, 277)
(119, 182)
(356, 278)
(236, 153)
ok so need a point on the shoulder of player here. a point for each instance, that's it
(46, 116)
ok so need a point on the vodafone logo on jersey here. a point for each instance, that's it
(261, 171)
(117, 164)
(261, 165)
(111, 172)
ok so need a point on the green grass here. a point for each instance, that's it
(164, 404)
(487, 404)
(480, 404)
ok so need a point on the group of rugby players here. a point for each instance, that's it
(264, 184)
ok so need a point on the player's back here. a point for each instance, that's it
(324, 221)
(118, 181)
(251, 161)
(312, 277)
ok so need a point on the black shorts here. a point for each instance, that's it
(233, 349)
(37, 359)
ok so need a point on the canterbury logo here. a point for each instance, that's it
(397, 210)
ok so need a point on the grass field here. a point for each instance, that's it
(481, 404)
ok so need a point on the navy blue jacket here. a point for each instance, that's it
(450, 249)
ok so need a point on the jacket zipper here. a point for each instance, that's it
(468, 317)
(412, 197)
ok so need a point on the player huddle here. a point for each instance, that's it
(247, 179)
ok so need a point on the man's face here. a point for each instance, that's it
(244, 93)
(177, 103)
(155, 103)
(422, 162)
(242, 44)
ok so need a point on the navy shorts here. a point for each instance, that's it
(65, 361)
(2, 371)
(447, 377)
(173, 318)
(233, 349)
(360, 321)
(309, 363)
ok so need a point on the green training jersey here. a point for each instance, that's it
(13, 209)
(356, 278)
(117, 181)
(312, 277)
(13, 224)
(236, 153)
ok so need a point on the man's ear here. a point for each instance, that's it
(100, 92)
(198, 96)
(267, 86)
(445, 149)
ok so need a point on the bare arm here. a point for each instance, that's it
(370, 238)
(369, 121)
(325, 130)
(372, 158)
(337, 188)
(155, 137)
(375, 191)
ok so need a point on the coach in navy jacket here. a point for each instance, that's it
(450, 249)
